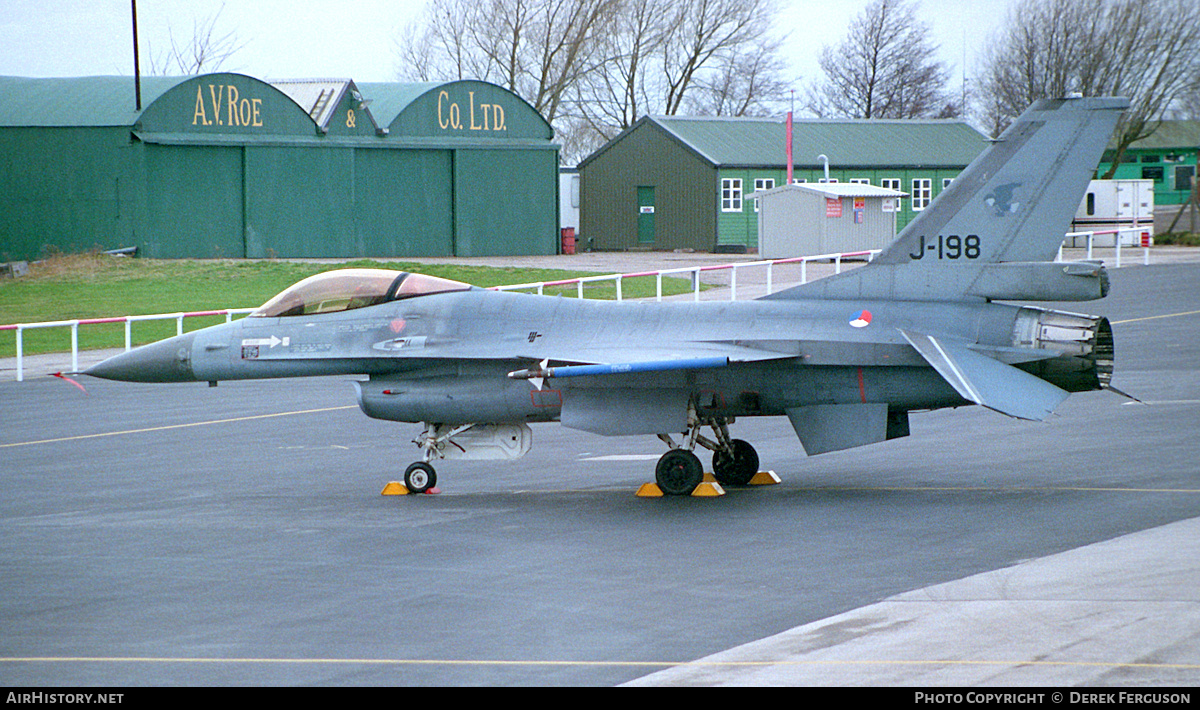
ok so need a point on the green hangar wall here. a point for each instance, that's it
(226, 165)
(675, 182)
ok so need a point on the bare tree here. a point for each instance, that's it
(617, 92)
(593, 67)
(440, 46)
(207, 51)
(1145, 50)
(884, 68)
(535, 48)
(743, 82)
(1186, 106)
(703, 32)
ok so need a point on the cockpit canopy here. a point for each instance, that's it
(346, 289)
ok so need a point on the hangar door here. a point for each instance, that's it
(505, 202)
(402, 202)
(193, 202)
(347, 202)
(299, 202)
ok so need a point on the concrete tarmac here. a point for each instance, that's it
(182, 535)
(1123, 613)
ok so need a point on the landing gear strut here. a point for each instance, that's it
(419, 477)
(477, 441)
(679, 470)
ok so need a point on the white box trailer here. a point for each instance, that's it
(1109, 205)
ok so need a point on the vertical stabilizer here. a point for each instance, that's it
(1019, 196)
(1013, 204)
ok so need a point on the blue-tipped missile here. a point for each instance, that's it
(542, 371)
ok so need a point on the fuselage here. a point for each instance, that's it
(444, 357)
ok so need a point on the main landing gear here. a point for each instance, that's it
(679, 470)
(420, 477)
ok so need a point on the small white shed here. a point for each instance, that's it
(825, 218)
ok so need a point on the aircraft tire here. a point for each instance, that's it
(679, 472)
(419, 477)
(738, 469)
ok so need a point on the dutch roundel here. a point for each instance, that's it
(861, 319)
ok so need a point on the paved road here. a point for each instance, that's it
(182, 535)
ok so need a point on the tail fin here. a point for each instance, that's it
(1013, 204)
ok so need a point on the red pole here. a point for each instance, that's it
(789, 148)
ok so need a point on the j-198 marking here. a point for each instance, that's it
(951, 247)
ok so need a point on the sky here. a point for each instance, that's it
(295, 39)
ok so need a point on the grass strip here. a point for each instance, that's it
(79, 286)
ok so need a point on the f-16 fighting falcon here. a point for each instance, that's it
(846, 358)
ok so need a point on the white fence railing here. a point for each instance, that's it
(1142, 238)
(127, 320)
(694, 272)
(539, 287)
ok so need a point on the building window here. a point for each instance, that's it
(799, 181)
(1155, 174)
(946, 182)
(731, 194)
(1150, 158)
(893, 184)
(860, 181)
(922, 193)
(761, 185)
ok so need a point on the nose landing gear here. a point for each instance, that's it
(420, 477)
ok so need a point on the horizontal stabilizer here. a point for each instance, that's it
(988, 382)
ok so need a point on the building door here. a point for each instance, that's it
(1183, 178)
(645, 197)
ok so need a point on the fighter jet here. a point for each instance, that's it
(846, 359)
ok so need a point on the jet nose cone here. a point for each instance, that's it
(167, 360)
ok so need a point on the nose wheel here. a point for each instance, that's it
(419, 477)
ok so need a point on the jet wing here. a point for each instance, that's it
(988, 382)
(676, 353)
(617, 360)
(619, 408)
